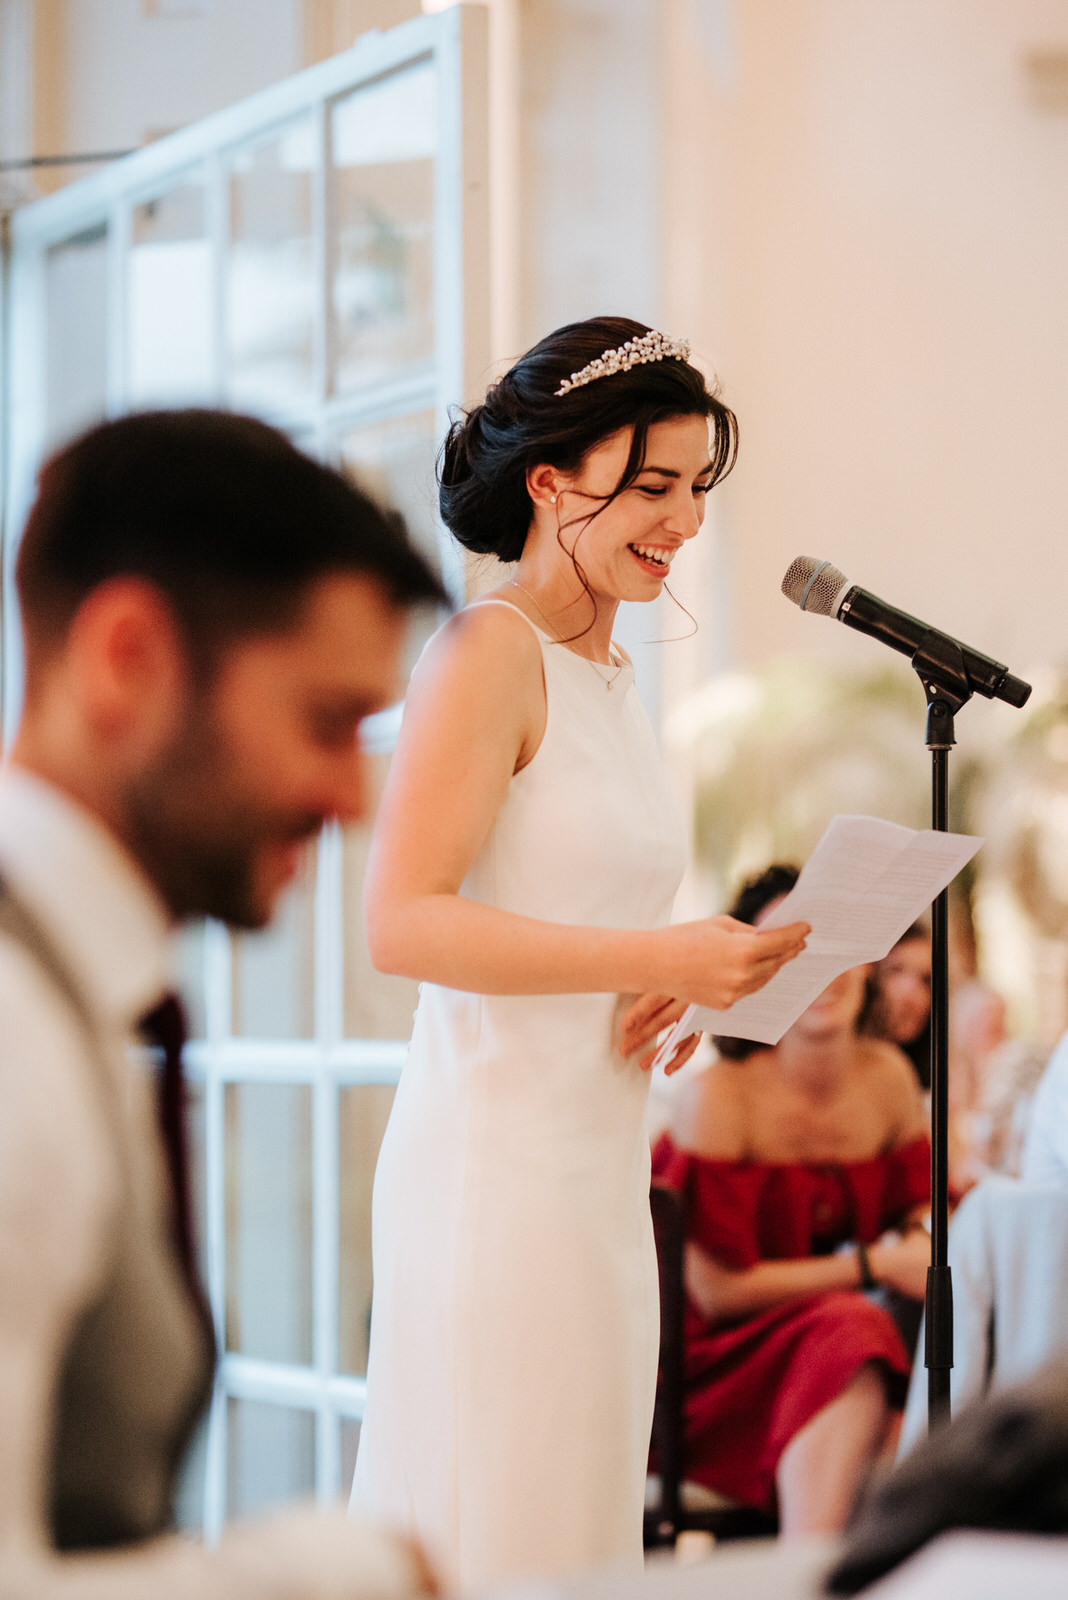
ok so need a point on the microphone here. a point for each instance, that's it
(817, 586)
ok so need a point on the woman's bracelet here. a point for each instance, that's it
(868, 1280)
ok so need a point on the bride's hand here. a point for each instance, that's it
(718, 961)
(644, 1021)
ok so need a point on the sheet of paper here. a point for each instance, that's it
(863, 885)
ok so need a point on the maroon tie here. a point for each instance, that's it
(164, 1027)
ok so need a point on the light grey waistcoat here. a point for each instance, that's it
(138, 1367)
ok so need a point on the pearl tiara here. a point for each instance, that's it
(651, 346)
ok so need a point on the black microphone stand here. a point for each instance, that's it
(940, 664)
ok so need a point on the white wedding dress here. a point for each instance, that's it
(515, 1320)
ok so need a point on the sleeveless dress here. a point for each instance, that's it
(752, 1385)
(515, 1322)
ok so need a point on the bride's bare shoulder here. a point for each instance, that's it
(484, 637)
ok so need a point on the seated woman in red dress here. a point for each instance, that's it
(795, 1378)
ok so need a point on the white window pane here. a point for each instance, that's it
(376, 1005)
(395, 462)
(270, 299)
(269, 1221)
(77, 333)
(189, 1498)
(274, 971)
(169, 314)
(363, 1112)
(349, 1442)
(383, 141)
(196, 1134)
(270, 1454)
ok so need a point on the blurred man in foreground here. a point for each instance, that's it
(208, 617)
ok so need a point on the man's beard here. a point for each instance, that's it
(197, 836)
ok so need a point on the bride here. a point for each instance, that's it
(526, 856)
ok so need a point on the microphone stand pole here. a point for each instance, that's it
(940, 664)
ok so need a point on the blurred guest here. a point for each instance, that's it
(208, 616)
(796, 1162)
(1045, 1150)
(1002, 1465)
(900, 1009)
(1008, 1257)
(992, 1082)
(991, 1077)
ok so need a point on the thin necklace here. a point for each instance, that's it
(596, 665)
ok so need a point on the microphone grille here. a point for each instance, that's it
(814, 585)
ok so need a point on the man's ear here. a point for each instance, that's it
(128, 661)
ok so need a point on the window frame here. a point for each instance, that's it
(456, 42)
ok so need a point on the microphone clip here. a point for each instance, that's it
(939, 663)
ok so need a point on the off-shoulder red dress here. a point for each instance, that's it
(752, 1385)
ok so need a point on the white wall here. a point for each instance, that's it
(112, 73)
(589, 159)
(16, 85)
(867, 216)
(858, 209)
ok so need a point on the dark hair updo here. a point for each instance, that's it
(523, 423)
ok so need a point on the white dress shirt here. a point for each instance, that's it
(1008, 1257)
(58, 1187)
(1045, 1155)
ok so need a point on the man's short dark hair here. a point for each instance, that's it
(220, 511)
